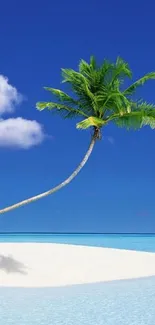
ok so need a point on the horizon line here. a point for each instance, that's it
(78, 233)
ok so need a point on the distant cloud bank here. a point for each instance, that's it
(16, 132)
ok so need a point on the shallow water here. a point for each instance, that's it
(144, 243)
(129, 302)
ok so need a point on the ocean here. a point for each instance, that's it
(138, 242)
(125, 302)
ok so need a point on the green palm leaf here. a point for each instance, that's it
(136, 120)
(120, 70)
(60, 108)
(89, 122)
(131, 89)
(62, 96)
(93, 62)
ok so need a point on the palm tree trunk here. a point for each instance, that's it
(58, 187)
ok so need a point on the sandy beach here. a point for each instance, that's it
(52, 265)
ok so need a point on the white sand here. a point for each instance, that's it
(42, 265)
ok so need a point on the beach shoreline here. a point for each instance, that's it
(54, 265)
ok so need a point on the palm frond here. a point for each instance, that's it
(73, 77)
(85, 69)
(64, 109)
(113, 100)
(62, 96)
(150, 121)
(89, 122)
(143, 115)
(122, 68)
(119, 71)
(80, 84)
(93, 62)
(131, 89)
(144, 106)
(129, 121)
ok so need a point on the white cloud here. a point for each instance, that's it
(111, 139)
(9, 96)
(16, 132)
(20, 133)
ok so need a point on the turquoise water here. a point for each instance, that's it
(117, 303)
(133, 242)
(130, 302)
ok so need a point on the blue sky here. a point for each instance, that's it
(115, 191)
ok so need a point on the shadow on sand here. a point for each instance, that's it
(9, 265)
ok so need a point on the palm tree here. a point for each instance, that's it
(98, 98)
